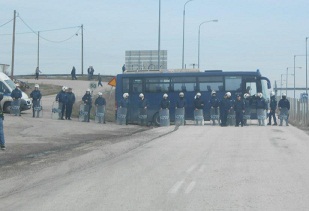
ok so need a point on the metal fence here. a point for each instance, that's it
(299, 112)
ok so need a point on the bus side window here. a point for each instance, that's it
(183, 88)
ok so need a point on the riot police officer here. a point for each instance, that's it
(284, 107)
(36, 97)
(273, 107)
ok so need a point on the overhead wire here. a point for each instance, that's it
(6, 22)
(49, 40)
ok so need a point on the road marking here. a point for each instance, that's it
(191, 169)
(190, 187)
(176, 187)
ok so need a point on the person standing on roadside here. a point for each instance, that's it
(273, 107)
(239, 108)
(99, 80)
(73, 73)
(2, 141)
(87, 101)
(16, 95)
(37, 73)
(36, 97)
(61, 98)
(69, 105)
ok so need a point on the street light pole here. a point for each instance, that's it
(159, 35)
(183, 34)
(199, 35)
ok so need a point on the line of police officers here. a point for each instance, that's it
(241, 107)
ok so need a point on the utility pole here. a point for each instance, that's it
(13, 46)
(159, 35)
(82, 27)
(38, 62)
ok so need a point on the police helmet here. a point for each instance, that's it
(125, 95)
(213, 92)
(272, 93)
(260, 95)
(246, 95)
(36, 86)
(141, 95)
(181, 94)
(88, 90)
(100, 93)
(17, 84)
(63, 88)
(165, 95)
(198, 94)
(283, 94)
(228, 94)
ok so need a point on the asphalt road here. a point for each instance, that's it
(192, 168)
(70, 165)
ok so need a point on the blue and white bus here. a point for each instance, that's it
(154, 84)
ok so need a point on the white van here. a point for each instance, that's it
(6, 88)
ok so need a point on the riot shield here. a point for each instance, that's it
(56, 110)
(214, 115)
(15, 107)
(231, 117)
(164, 117)
(284, 113)
(261, 115)
(180, 116)
(142, 116)
(247, 115)
(83, 113)
(100, 114)
(121, 116)
(199, 117)
(37, 108)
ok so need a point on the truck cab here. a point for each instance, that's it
(6, 88)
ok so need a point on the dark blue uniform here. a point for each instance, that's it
(36, 97)
(181, 102)
(16, 94)
(198, 103)
(165, 104)
(61, 97)
(100, 101)
(273, 107)
(69, 105)
(225, 106)
(88, 101)
(239, 107)
(125, 103)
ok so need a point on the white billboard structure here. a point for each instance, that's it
(145, 60)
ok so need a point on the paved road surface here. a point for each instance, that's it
(192, 168)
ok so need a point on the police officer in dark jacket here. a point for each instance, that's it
(87, 101)
(16, 95)
(165, 103)
(198, 102)
(261, 107)
(239, 107)
(273, 107)
(181, 101)
(2, 140)
(225, 106)
(125, 103)
(214, 106)
(284, 104)
(61, 98)
(36, 97)
(100, 101)
(69, 103)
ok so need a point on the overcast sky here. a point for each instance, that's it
(250, 34)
